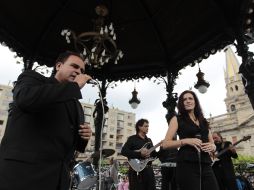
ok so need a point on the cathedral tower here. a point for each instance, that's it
(237, 102)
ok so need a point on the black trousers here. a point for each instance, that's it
(168, 178)
(21, 175)
(145, 179)
(225, 178)
(188, 176)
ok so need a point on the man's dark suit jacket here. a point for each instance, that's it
(41, 134)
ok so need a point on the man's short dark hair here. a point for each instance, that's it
(64, 56)
(140, 123)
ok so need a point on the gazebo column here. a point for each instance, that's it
(168, 156)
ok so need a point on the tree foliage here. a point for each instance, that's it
(243, 159)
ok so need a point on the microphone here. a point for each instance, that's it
(91, 81)
(198, 136)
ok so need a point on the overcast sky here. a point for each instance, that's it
(151, 94)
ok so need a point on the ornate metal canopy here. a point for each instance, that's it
(156, 36)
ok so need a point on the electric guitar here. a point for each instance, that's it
(215, 156)
(139, 164)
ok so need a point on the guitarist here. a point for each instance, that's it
(143, 180)
(223, 168)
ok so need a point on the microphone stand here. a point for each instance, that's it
(198, 136)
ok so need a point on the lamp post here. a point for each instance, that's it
(134, 101)
(201, 84)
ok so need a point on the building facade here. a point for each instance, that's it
(5, 99)
(238, 122)
(119, 125)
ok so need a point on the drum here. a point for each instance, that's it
(84, 176)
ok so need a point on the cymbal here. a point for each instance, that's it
(105, 153)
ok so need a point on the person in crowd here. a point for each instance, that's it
(168, 168)
(193, 169)
(134, 149)
(111, 174)
(45, 127)
(114, 170)
(124, 184)
(223, 168)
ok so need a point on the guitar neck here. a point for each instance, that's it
(154, 147)
(226, 149)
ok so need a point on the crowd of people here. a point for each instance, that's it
(46, 127)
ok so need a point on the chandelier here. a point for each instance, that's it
(98, 46)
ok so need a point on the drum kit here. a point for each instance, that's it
(84, 175)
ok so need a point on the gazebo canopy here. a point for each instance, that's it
(155, 35)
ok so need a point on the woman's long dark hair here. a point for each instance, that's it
(197, 110)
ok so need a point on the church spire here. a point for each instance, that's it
(234, 86)
(232, 66)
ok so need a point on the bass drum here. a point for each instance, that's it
(84, 176)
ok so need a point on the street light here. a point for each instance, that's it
(201, 84)
(134, 101)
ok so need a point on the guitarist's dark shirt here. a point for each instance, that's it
(225, 159)
(145, 179)
(227, 155)
(223, 168)
(135, 142)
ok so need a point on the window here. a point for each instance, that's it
(106, 121)
(87, 119)
(129, 131)
(129, 124)
(112, 128)
(120, 124)
(232, 107)
(111, 144)
(231, 89)
(1, 122)
(236, 87)
(120, 117)
(111, 136)
(87, 110)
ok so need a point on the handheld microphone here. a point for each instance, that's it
(91, 81)
(198, 136)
